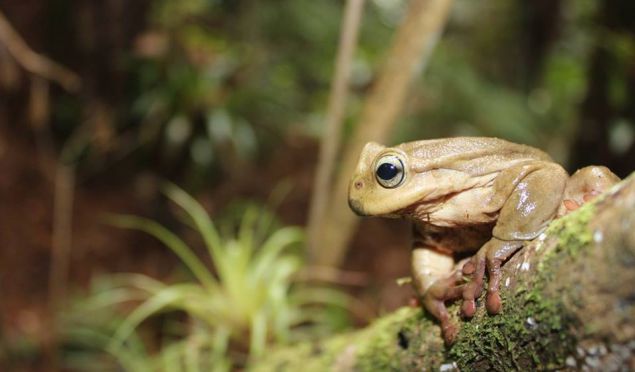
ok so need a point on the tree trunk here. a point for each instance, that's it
(569, 303)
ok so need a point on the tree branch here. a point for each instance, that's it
(334, 118)
(34, 63)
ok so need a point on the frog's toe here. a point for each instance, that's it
(493, 302)
(587, 197)
(450, 331)
(471, 291)
(414, 302)
(468, 309)
(570, 205)
(469, 268)
(474, 271)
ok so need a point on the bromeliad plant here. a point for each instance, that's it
(248, 297)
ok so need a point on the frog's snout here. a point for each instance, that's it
(356, 206)
(355, 188)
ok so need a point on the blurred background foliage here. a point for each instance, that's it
(250, 296)
(227, 98)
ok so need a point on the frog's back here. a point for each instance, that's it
(476, 155)
(456, 146)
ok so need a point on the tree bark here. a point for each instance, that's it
(569, 303)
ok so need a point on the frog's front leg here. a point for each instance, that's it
(491, 257)
(435, 279)
(530, 206)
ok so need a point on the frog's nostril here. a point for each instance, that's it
(358, 185)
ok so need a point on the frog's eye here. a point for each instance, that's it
(389, 171)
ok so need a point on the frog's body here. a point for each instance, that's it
(467, 196)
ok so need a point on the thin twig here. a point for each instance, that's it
(61, 247)
(33, 62)
(62, 229)
(334, 118)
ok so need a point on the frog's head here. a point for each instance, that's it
(389, 181)
(378, 184)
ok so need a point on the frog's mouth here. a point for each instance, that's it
(356, 206)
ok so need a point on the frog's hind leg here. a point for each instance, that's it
(584, 185)
(435, 279)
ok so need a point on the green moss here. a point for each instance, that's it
(527, 335)
(404, 340)
(376, 346)
(411, 343)
(572, 230)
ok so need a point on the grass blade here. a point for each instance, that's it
(200, 217)
(153, 305)
(172, 241)
(272, 247)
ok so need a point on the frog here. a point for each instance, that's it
(473, 202)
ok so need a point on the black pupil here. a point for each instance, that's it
(387, 171)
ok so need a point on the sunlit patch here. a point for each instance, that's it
(598, 236)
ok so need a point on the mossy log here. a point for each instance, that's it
(568, 304)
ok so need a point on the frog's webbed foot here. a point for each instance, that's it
(474, 270)
(491, 256)
(584, 185)
(434, 300)
(571, 205)
(437, 279)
